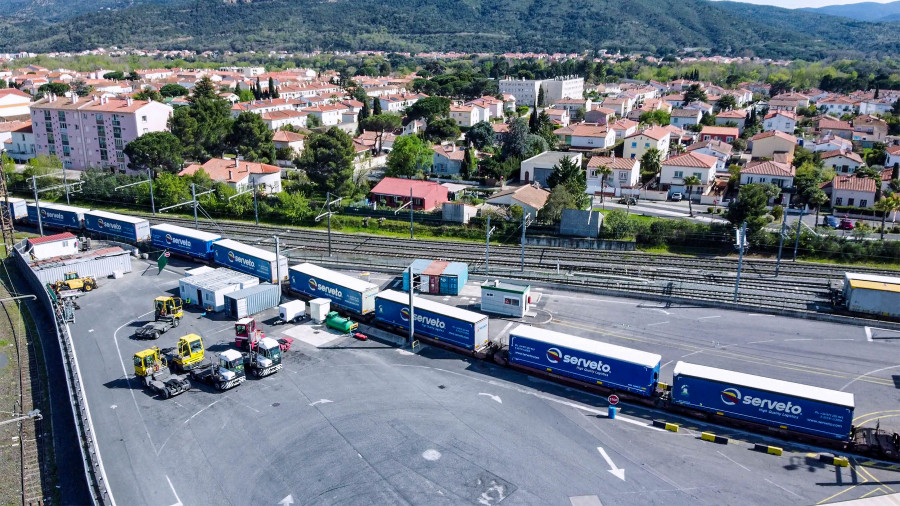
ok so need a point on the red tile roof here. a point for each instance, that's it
(697, 160)
(656, 133)
(774, 133)
(287, 136)
(853, 183)
(768, 168)
(400, 187)
(51, 238)
(721, 130)
(619, 163)
(739, 114)
(850, 155)
(222, 169)
(13, 91)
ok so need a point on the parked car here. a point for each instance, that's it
(628, 201)
(676, 197)
(846, 224)
(831, 221)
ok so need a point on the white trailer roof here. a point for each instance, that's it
(435, 307)
(337, 278)
(851, 276)
(240, 247)
(15, 199)
(190, 232)
(114, 216)
(767, 384)
(62, 207)
(588, 345)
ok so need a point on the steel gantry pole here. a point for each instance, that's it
(412, 308)
(797, 240)
(741, 241)
(487, 246)
(780, 243)
(194, 195)
(411, 213)
(152, 201)
(37, 205)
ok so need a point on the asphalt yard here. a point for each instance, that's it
(368, 422)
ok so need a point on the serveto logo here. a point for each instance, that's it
(246, 262)
(178, 241)
(554, 355)
(731, 396)
(102, 224)
(312, 284)
(231, 256)
(404, 314)
(168, 238)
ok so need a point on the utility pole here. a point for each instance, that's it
(412, 309)
(780, 243)
(255, 204)
(194, 195)
(797, 240)
(6, 222)
(741, 241)
(411, 213)
(328, 213)
(66, 184)
(37, 205)
(149, 180)
(278, 265)
(487, 246)
(526, 220)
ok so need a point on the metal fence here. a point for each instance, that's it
(90, 453)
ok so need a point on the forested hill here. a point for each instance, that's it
(658, 26)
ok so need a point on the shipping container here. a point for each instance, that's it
(775, 403)
(585, 360)
(872, 294)
(437, 276)
(208, 290)
(18, 209)
(453, 325)
(454, 278)
(418, 266)
(118, 225)
(345, 291)
(184, 241)
(505, 298)
(249, 301)
(57, 216)
(250, 259)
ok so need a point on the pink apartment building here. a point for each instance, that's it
(87, 132)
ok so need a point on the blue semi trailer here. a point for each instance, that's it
(184, 241)
(117, 225)
(775, 403)
(585, 360)
(459, 327)
(345, 291)
(57, 216)
(249, 260)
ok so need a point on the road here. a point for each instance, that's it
(355, 422)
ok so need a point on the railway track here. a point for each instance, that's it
(798, 287)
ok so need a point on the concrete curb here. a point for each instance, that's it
(771, 450)
(709, 436)
(661, 424)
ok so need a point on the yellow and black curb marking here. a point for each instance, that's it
(709, 436)
(771, 450)
(666, 425)
(834, 460)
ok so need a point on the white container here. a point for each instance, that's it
(199, 270)
(318, 309)
(292, 310)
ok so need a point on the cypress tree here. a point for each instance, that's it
(376, 106)
(272, 90)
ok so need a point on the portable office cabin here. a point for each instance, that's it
(505, 298)
(184, 241)
(249, 301)
(121, 226)
(249, 259)
(872, 294)
(57, 216)
(18, 208)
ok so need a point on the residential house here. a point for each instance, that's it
(788, 102)
(677, 168)
(772, 143)
(836, 105)
(638, 143)
(783, 121)
(626, 173)
(599, 115)
(6, 132)
(623, 128)
(398, 103)
(21, 143)
(718, 149)
(530, 198)
(828, 125)
(587, 136)
(239, 174)
(684, 117)
(719, 133)
(284, 139)
(703, 107)
(676, 100)
(329, 115)
(14, 103)
(831, 142)
(766, 171)
(621, 105)
(464, 115)
(86, 132)
(738, 117)
(851, 191)
(538, 168)
(573, 105)
(868, 130)
(369, 138)
(500, 129)
(447, 159)
(558, 116)
(893, 156)
(842, 162)
(277, 119)
(395, 192)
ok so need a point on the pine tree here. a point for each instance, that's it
(255, 89)
(376, 106)
(877, 93)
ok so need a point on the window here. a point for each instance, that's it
(65, 139)
(47, 116)
(48, 127)
(839, 201)
(99, 118)
(103, 155)
(119, 144)
(50, 137)
(646, 144)
(729, 138)
(706, 137)
(120, 156)
(66, 151)
(850, 202)
(863, 203)
(634, 145)
(101, 131)
(679, 174)
(115, 120)
(102, 142)
(698, 175)
(511, 302)
(623, 176)
(117, 132)
(62, 116)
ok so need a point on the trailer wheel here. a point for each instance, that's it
(177, 322)
(220, 385)
(165, 393)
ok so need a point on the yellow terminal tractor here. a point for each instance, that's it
(151, 369)
(168, 312)
(188, 354)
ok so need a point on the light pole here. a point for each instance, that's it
(741, 241)
(526, 220)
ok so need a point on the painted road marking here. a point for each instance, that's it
(708, 317)
(786, 490)
(616, 471)
(659, 323)
(585, 500)
(745, 468)
(179, 503)
(320, 401)
(493, 397)
(869, 334)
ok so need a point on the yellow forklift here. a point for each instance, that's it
(72, 281)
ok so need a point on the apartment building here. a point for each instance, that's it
(86, 132)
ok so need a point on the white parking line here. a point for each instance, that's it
(658, 323)
(707, 317)
(786, 490)
(786, 340)
(733, 461)
(869, 334)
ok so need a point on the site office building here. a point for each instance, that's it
(87, 132)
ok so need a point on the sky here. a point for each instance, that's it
(793, 4)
